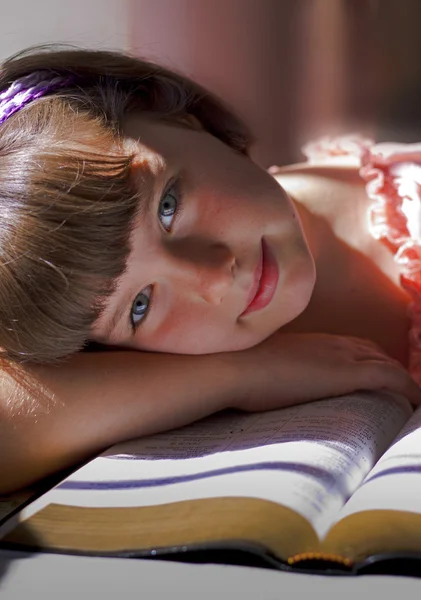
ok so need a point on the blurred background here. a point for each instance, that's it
(292, 69)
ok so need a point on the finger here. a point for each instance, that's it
(380, 357)
(414, 392)
(393, 377)
(368, 345)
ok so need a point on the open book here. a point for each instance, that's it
(329, 485)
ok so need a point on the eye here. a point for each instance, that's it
(169, 207)
(140, 306)
(168, 210)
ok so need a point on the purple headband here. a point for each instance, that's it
(28, 88)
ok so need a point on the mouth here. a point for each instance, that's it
(265, 281)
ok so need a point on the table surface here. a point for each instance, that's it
(48, 576)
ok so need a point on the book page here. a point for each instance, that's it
(395, 481)
(309, 458)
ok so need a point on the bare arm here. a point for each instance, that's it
(54, 417)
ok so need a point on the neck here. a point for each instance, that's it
(312, 228)
(357, 290)
(317, 221)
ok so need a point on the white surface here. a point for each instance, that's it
(67, 577)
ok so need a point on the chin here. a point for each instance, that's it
(296, 293)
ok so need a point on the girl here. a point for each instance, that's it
(132, 219)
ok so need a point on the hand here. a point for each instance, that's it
(292, 368)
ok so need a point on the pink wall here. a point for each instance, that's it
(236, 48)
(291, 68)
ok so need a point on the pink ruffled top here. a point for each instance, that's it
(392, 173)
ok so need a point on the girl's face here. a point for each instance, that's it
(218, 262)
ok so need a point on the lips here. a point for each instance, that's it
(266, 277)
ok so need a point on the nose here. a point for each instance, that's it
(203, 268)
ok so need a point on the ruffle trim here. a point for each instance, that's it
(392, 174)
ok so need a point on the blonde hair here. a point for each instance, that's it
(67, 199)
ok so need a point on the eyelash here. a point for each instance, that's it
(173, 185)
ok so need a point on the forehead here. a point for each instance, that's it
(159, 149)
(144, 156)
(148, 166)
(156, 137)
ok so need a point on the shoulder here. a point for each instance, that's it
(322, 187)
(331, 161)
(330, 177)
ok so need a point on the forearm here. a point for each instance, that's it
(64, 414)
(69, 412)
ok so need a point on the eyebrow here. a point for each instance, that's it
(148, 194)
(117, 316)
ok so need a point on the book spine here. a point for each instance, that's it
(315, 561)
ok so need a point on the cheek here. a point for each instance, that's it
(199, 331)
(187, 329)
